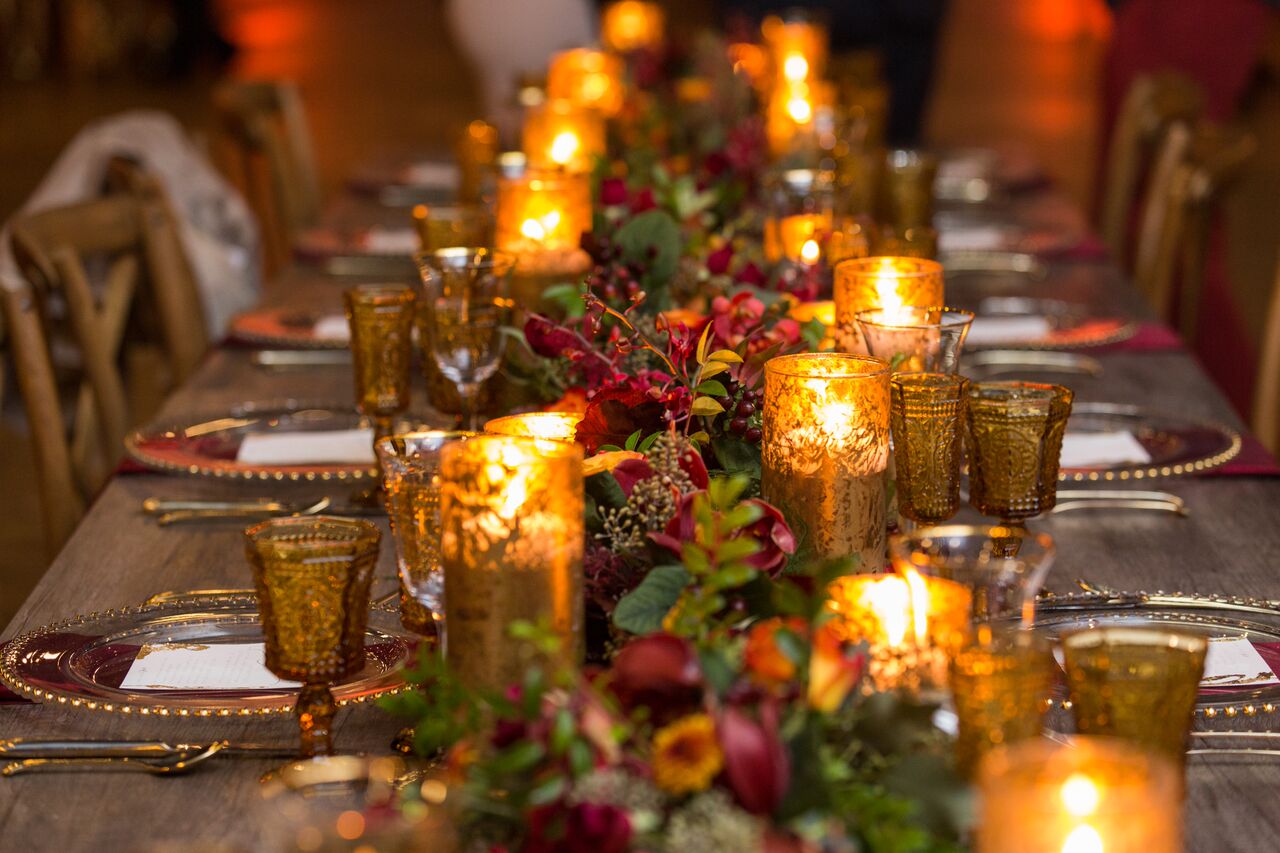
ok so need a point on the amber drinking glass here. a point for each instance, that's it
(411, 489)
(1000, 683)
(444, 226)
(1014, 436)
(925, 415)
(312, 577)
(381, 321)
(916, 340)
(906, 189)
(464, 309)
(1137, 683)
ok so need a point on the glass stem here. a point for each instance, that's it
(470, 394)
(315, 710)
(383, 426)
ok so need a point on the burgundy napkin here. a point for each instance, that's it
(1150, 337)
(1254, 460)
(1087, 249)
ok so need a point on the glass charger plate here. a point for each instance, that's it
(82, 661)
(291, 328)
(1070, 325)
(1226, 701)
(1177, 444)
(207, 446)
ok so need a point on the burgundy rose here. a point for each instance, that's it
(716, 164)
(659, 672)
(751, 274)
(771, 532)
(613, 192)
(594, 828)
(719, 260)
(756, 765)
(549, 340)
(613, 414)
(643, 200)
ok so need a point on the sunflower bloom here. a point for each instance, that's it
(686, 755)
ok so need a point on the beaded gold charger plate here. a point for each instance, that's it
(1174, 444)
(83, 661)
(209, 446)
(1244, 696)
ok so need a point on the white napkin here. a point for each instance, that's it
(334, 327)
(1087, 449)
(1234, 659)
(973, 238)
(1014, 329)
(429, 174)
(380, 240)
(347, 446)
(218, 666)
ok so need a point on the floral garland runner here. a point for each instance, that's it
(733, 713)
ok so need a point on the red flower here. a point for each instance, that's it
(631, 471)
(549, 340)
(614, 414)
(613, 192)
(659, 672)
(751, 274)
(643, 200)
(756, 765)
(719, 260)
(585, 828)
(770, 531)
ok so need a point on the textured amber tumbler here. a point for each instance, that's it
(381, 321)
(926, 413)
(1139, 684)
(824, 451)
(889, 283)
(1014, 436)
(511, 513)
(312, 577)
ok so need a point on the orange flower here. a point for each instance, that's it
(766, 662)
(686, 755)
(832, 672)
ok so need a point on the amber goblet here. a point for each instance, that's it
(925, 415)
(381, 320)
(1014, 436)
(312, 576)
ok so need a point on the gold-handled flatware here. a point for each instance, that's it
(172, 765)
(13, 749)
(179, 516)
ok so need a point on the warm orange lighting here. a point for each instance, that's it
(795, 68)
(799, 108)
(888, 283)
(810, 252)
(587, 78)
(558, 134)
(630, 25)
(554, 426)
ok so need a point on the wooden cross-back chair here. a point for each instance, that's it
(1266, 396)
(143, 308)
(1153, 103)
(264, 147)
(1194, 168)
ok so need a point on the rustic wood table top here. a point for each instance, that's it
(1229, 543)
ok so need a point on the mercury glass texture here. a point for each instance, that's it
(925, 417)
(512, 541)
(889, 283)
(1013, 433)
(824, 451)
(312, 576)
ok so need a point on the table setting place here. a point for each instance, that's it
(747, 484)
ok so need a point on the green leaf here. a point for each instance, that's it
(632, 439)
(649, 442)
(738, 457)
(706, 407)
(642, 610)
(520, 757)
(712, 368)
(653, 229)
(566, 297)
(733, 576)
(605, 490)
(580, 759)
(726, 355)
(713, 388)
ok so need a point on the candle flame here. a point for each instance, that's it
(887, 281)
(810, 252)
(563, 147)
(919, 603)
(889, 599)
(1079, 795)
(799, 109)
(540, 228)
(595, 86)
(1083, 839)
(795, 68)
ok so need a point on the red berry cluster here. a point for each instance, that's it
(743, 413)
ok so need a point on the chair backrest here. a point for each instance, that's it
(264, 147)
(1153, 103)
(1193, 169)
(1266, 394)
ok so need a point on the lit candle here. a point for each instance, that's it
(558, 134)
(797, 45)
(512, 536)
(887, 283)
(1095, 795)
(554, 426)
(587, 78)
(630, 25)
(824, 451)
(541, 217)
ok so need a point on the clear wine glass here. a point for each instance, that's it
(464, 310)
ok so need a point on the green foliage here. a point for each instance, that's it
(642, 610)
(653, 240)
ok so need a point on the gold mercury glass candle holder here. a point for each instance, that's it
(553, 426)
(1136, 683)
(560, 135)
(588, 78)
(512, 541)
(312, 576)
(381, 320)
(824, 450)
(541, 217)
(1013, 435)
(887, 283)
(916, 340)
(925, 421)
(630, 25)
(1000, 687)
(1094, 794)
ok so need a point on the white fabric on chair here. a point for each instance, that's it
(218, 231)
